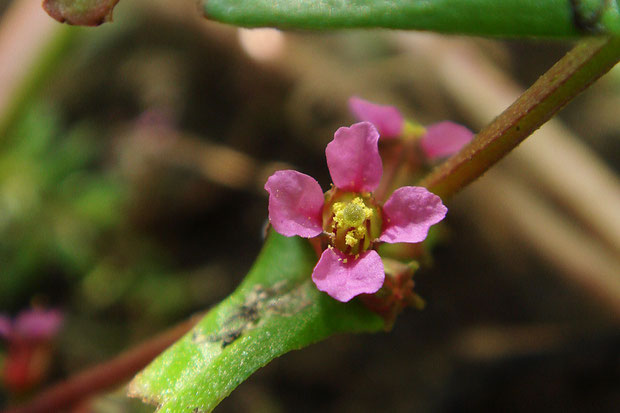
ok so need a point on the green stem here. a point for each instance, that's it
(588, 61)
(546, 18)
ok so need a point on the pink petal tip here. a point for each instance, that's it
(387, 119)
(344, 277)
(38, 324)
(353, 158)
(444, 139)
(409, 213)
(295, 204)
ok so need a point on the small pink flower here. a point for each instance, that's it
(31, 325)
(348, 213)
(441, 139)
(29, 337)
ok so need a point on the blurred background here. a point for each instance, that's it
(132, 161)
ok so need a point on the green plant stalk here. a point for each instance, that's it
(548, 18)
(586, 62)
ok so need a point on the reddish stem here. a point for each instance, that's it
(585, 63)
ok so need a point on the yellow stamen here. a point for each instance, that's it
(352, 216)
(413, 131)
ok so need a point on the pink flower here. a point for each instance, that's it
(29, 338)
(440, 140)
(31, 325)
(348, 213)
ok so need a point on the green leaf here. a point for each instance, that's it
(545, 18)
(275, 310)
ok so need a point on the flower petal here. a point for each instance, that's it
(387, 119)
(295, 204)
(409, 213)
(353, 158)
(5, 326)
(344, 280)
(444, 139)
(38, 324)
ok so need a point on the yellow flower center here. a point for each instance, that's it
(350, 220)
(352, 213)
(413, 131)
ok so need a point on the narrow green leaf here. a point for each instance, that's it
(545, 18)
(275, 310)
